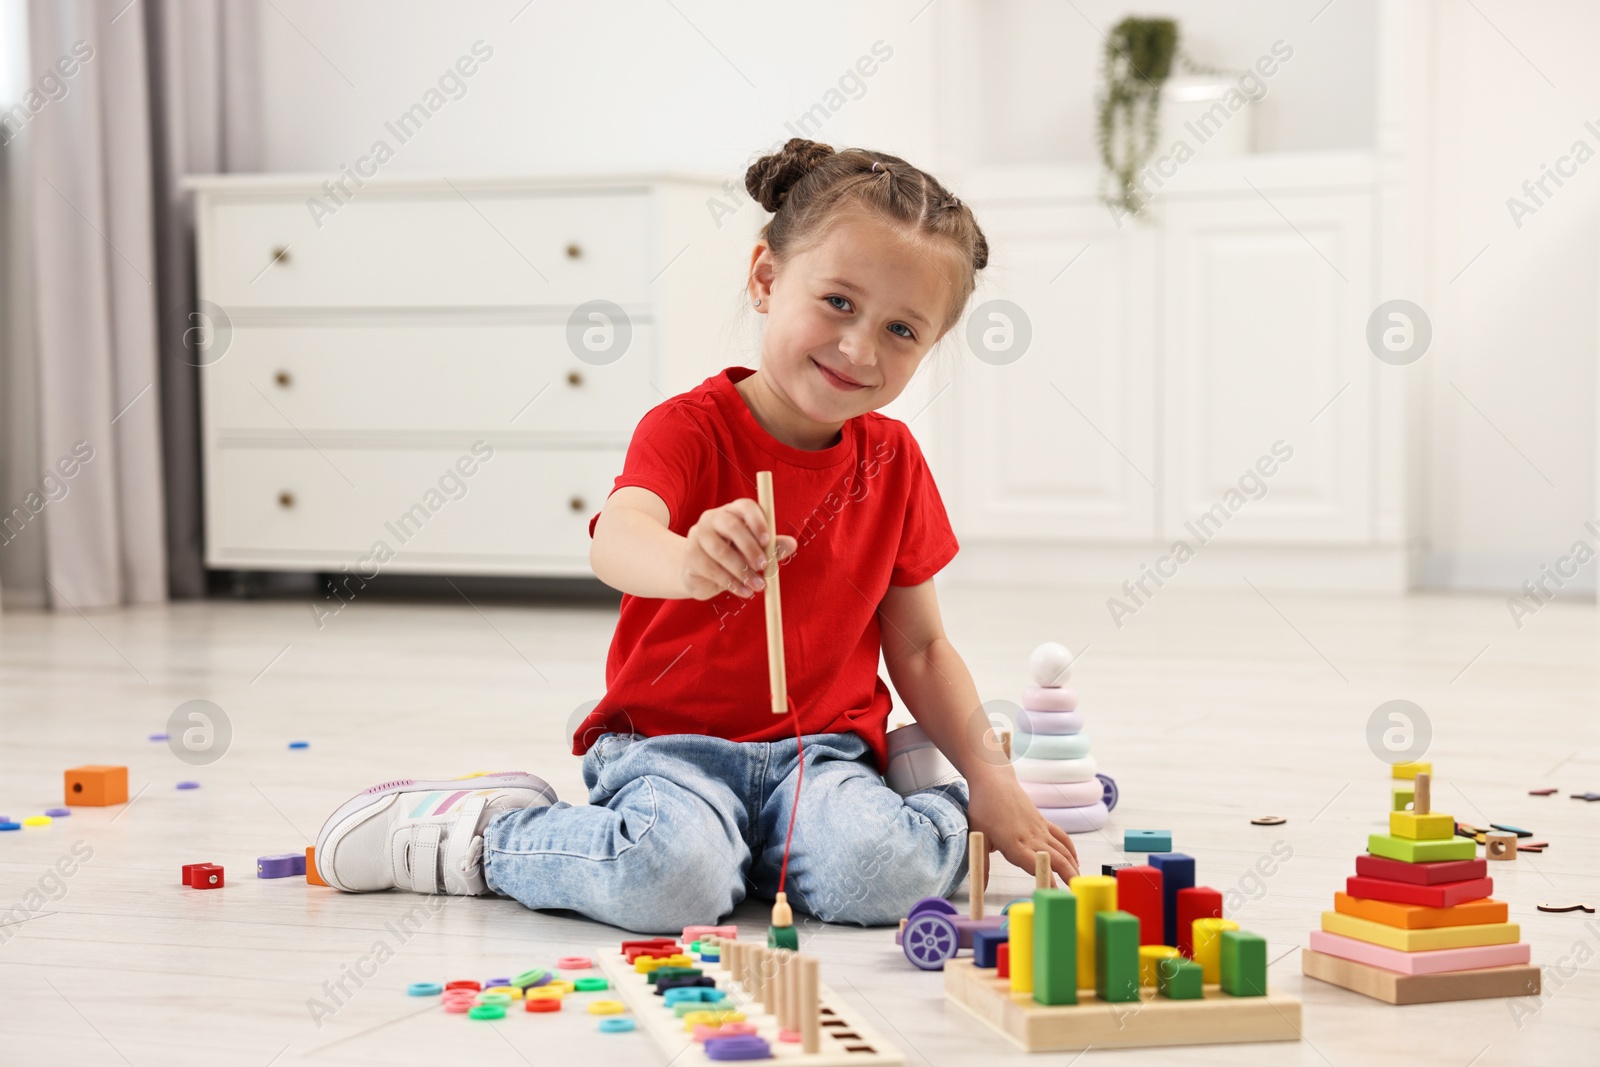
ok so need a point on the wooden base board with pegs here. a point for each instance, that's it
(1217, 1019)
(842, 1036)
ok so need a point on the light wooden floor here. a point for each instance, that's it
(1208, 708)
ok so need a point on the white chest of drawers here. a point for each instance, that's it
(442, 375)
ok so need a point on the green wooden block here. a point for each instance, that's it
(1244, 963)
(1406, 851)
(1116, 956)
(671, 972)
(1180, 979)
(1404, 795)
(1055, 946)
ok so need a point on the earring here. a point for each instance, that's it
(758, 303)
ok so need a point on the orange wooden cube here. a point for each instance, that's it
(96, 786)
(312, 877)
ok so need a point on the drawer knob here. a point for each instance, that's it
(280, 253)
(574, 378)
(286, 499)
(576, 503)
(282, 378)
(573, 251)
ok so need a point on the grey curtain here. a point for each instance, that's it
(120, 101)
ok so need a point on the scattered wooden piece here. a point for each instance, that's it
(1500, 846)
(1268, 820)
(1560, 908)
(1542, 792)
(1421, 803)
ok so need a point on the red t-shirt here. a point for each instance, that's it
(866, 514)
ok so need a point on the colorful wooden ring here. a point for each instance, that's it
(1050, 722)
(542, 1004)
(1056, 770)
(1078, 820)
(575, 963)
(1049, 746)
(1049, 698)
(1064, 794)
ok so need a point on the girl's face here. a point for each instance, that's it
(849, 319)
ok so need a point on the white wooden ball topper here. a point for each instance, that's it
(1050, 665)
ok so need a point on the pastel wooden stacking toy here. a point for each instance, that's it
(1050, 751)
(1416, 924)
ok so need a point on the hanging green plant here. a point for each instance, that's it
(1139, 54)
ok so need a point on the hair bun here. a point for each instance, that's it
(770, 178)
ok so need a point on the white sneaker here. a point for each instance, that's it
(425, 836)
(915, 762)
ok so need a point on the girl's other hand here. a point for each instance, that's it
(726, 551)
(1014, 827)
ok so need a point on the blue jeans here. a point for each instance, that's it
(678, 827)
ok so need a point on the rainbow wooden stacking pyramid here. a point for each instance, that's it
(1416, 924)
(1050, 751)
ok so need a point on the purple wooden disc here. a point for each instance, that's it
(158, 737)
(188, 785)
(285, 866)
(737, 1047)
(58, 813)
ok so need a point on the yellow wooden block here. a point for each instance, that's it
(713, 1017)
(1417, 940)
(1401, 797)
(1409, 771)
(1208, 947)
(1150, 957)
(1020, 918)
(1095, 892)
(1432, 827)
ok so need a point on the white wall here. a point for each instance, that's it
(1515, 333)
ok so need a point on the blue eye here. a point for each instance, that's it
(908, 334)
(842, 300)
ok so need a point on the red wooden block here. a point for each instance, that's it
(1446, 895)
(1370, 866)
(188, 868)
(1002, 960)
(1199, 902)
(1139, 894)
(204, 876)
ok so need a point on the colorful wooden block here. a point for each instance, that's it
(1021, 952)
(1420, 917)
(1393, 988)
(1503, 828)
(1139, 894)
(1434, 961)
(1196, 902)
(204, 876)
(1420, 940)
(1055, 946)
(1409, 771)
(1150, 957)
(1412, 827)
(1002, 961)
(1400, 797)
(96, 786)
(1147, 840)
(1420, 873)
(1499, 846)
(1116, 957)
(1244, 963)
(1443, 895)
(986, 946)
(1095, 893)
(312, 877)
(1399, 848)
(1181, 979)
(1177, 872)
(1208, 946)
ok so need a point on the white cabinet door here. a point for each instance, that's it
(1060, 444)
(1264, 341)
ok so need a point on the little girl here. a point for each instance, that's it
(866, 263)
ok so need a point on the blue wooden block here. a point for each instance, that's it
(1177, 872)
(1147, 840)
(986, 946)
